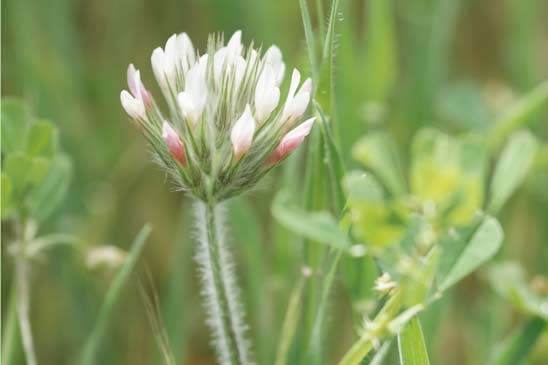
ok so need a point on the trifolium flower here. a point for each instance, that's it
(228, 123)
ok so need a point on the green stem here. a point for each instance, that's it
(18, 311)
(10, 341)
(220, 289)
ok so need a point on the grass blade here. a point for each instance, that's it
(114, 291)
(291, 320)
(519, 344)
(309, 35)
(411, 345)
(518, 114)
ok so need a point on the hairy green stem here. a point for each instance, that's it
(225, 315)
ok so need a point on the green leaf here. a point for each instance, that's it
(378, 152)
(16, 118)
(317, 226)
(514, 349)
(518, 114)
(113, 294)
(324, 92)
(333, 160)
(464, 250)
(290, 323)
(38, 171)
(509, 280)
(49, 194)
(6, 189)
(42, 139)
(512, 167)
(411, 345)
(309, 36)
(18, 167)
(461, 104)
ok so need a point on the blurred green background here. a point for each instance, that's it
(452, 64)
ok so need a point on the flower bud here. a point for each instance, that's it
(173, 143)
(296, 104)
(193, 99)
(267, 94)
(273, 57)
(136, 86)
(133, 106)
(242, 133)
(291, 141)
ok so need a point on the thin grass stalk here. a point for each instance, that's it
(220, 291)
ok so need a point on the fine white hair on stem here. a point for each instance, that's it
(220, 290)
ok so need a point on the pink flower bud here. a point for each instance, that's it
(291, 141)
(136, 86)
(174, 143)
(242, 133)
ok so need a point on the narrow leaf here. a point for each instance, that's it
(463, 251)
(317, 226)
(518, 345)
(113, 294)
(518, 114)
(310, 41)
(411, 345)
(512, 167)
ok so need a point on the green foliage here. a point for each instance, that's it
(464, 250)
(411, 345)
(35, 174)
(515, 161)
(113, 295)
(317, 226)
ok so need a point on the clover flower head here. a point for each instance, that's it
(226, 127)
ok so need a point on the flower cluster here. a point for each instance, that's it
(226, 126)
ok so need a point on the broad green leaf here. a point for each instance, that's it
(518, 114)
(512, 167)
(509, 281)
(6, 190)
(461, 104)
(41, 139)
(514, 349)
(380, 66)
(378, 152)
(435, 168)
(317, 226)
(375, 220)
(464, 250)
(16, 118)
(449, 172)
(18, 167)
(46, 197)
(411, 345)
(39, 170)
(113, 294)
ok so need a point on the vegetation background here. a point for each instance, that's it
(452, 64)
